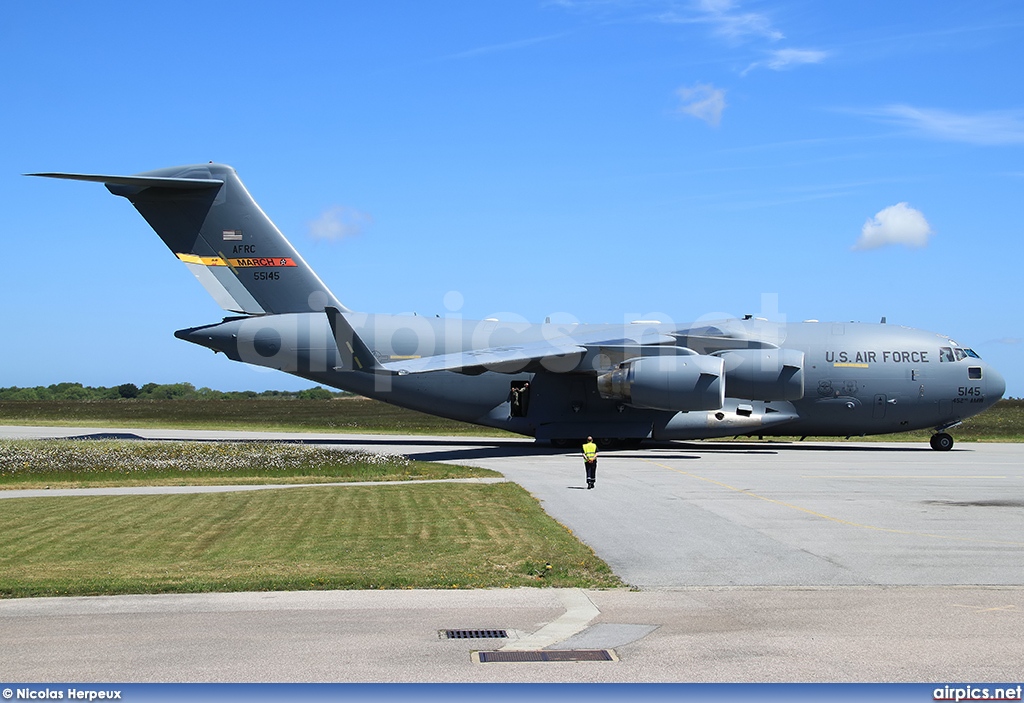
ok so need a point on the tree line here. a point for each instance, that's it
(153, 391)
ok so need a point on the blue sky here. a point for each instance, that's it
(595, 160)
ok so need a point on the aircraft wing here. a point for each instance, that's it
(712, 339)
(563, 353)
(560, 355)
(505, 359)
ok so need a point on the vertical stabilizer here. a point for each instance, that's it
(207, 218)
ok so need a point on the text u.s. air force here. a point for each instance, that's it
(873, 357)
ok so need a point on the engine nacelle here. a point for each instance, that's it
(764, 374)
(691, 382)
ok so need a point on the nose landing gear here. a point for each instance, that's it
(941, 442)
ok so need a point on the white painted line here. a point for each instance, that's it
(579, 611)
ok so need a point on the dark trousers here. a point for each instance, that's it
(591, 467)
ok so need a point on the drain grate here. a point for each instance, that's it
(474, 634)
(547, 655)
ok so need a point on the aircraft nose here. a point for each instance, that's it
(996, 384)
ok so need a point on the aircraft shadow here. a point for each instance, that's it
(465, 448)
(777, 447)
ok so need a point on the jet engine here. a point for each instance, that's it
(764, 374)
(690, 382)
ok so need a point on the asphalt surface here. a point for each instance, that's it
(757, 561)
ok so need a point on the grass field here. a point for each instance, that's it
(351, 414)
(82, 464)
(420, 536)
(382, 536)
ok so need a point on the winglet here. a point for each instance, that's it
(354, 354)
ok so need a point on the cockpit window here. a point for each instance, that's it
(956, 354)
(974, 373)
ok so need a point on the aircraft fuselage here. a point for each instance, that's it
(858, 379)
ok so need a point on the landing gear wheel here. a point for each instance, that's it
(941, 442)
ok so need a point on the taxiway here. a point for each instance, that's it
(754, 561)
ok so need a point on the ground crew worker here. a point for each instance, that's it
(590, 461)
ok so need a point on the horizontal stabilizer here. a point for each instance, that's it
(137, 181)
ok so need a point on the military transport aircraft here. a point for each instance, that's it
(622, 383)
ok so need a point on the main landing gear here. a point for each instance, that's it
(941, 442)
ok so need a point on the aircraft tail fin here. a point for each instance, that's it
(207, 218)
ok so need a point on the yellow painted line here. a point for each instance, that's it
(203, 260)
(355, 358)
(983, 609)
(901, 477)
(851, 365)
(830, 518)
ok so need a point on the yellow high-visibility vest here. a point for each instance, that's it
(589, 451)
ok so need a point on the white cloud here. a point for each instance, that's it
(741, 25)
(726, 20)
(507, 46)
(896, 224)
(338, 222)
(703, 101)
(724, 17)
(986, 128)
(785, 59)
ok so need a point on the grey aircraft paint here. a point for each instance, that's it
(621, 383)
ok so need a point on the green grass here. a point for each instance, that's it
(421, 536)
(91, 463)
(1004, 422)
(349, 414)
(401, 536)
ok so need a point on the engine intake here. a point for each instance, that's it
(691, 382)
(764, 374)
